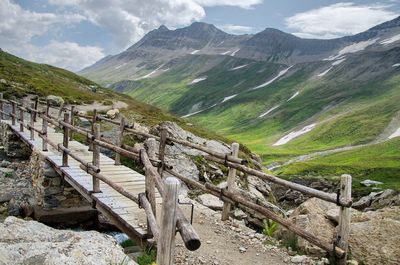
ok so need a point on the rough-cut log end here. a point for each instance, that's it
(193, 244)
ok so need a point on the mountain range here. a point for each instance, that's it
(307, 106)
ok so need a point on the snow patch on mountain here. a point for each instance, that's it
(225, 53)
(121, 65)
(325, 72)
(338, 61)
(281, 73)
(150, 74)
(287, 138)
(269, 111)
(395, 134)
(195, 51)
(197, 112)
(239, 67)
(390, 40)
(294, 95)
(234, 52)
(199, 79)
(229, 98)
(396, 65)
(352, 48)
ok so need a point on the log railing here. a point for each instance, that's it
(154, 169)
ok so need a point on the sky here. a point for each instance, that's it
(74, 34)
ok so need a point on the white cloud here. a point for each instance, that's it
(240, 3)
(236, 29)
(67, 55)
(338, 20)
(18, 26)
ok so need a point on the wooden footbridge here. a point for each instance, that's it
(128, 198)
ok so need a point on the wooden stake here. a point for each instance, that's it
(21, 120)
(32, 123)
(65, 141)
(119, 139)
(35, 106)
(344, 217)
(71, 133)
(13, 113)
(96, 156)
(44, 135)
(1, 107)
(166, 244)
(150, 185)
(94, 119)
(161, 151)
(231, 183)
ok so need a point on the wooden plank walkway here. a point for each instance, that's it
(123, 212)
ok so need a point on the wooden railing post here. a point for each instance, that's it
(230, 183)
(13, 111)
(32, 122)
(166, 244)
(65, 140)
(71, 133)
(35, 107)
(21, 120)
(119, 139)
(1, 107)
(161, 150)
(44, 128)
(150, 184)
(96, 157)
(344, 217)
(94, 119)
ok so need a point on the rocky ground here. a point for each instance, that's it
(232, 243)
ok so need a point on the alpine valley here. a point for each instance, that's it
(306, 106)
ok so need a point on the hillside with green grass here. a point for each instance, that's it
(19, 77)
(344, 93)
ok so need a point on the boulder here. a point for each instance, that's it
(211, 201)
(374, 237)
(112, 113)
(30, 242)
(368, 183)
(55, 100)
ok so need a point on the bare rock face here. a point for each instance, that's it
(374, 237)
(30, 242)
(112, 113)
(13, 146)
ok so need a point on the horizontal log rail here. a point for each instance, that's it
(330, 197)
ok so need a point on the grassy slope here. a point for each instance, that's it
(24, 77)
(352, 105)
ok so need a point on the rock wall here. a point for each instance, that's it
(13, 146)
(51, 190)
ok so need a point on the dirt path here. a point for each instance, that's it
(101, 107)
(227, 243)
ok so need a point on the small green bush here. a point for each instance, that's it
(270, 227)
(148, 257)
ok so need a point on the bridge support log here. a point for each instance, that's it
(344, 217)
(166, 242)
(65, 141)
(231, 183)
(96, 157)
(119, 140)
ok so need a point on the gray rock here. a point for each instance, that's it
(299, 259)
(368, 183)
(211, 201)
(55, 100)
(30, 242)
